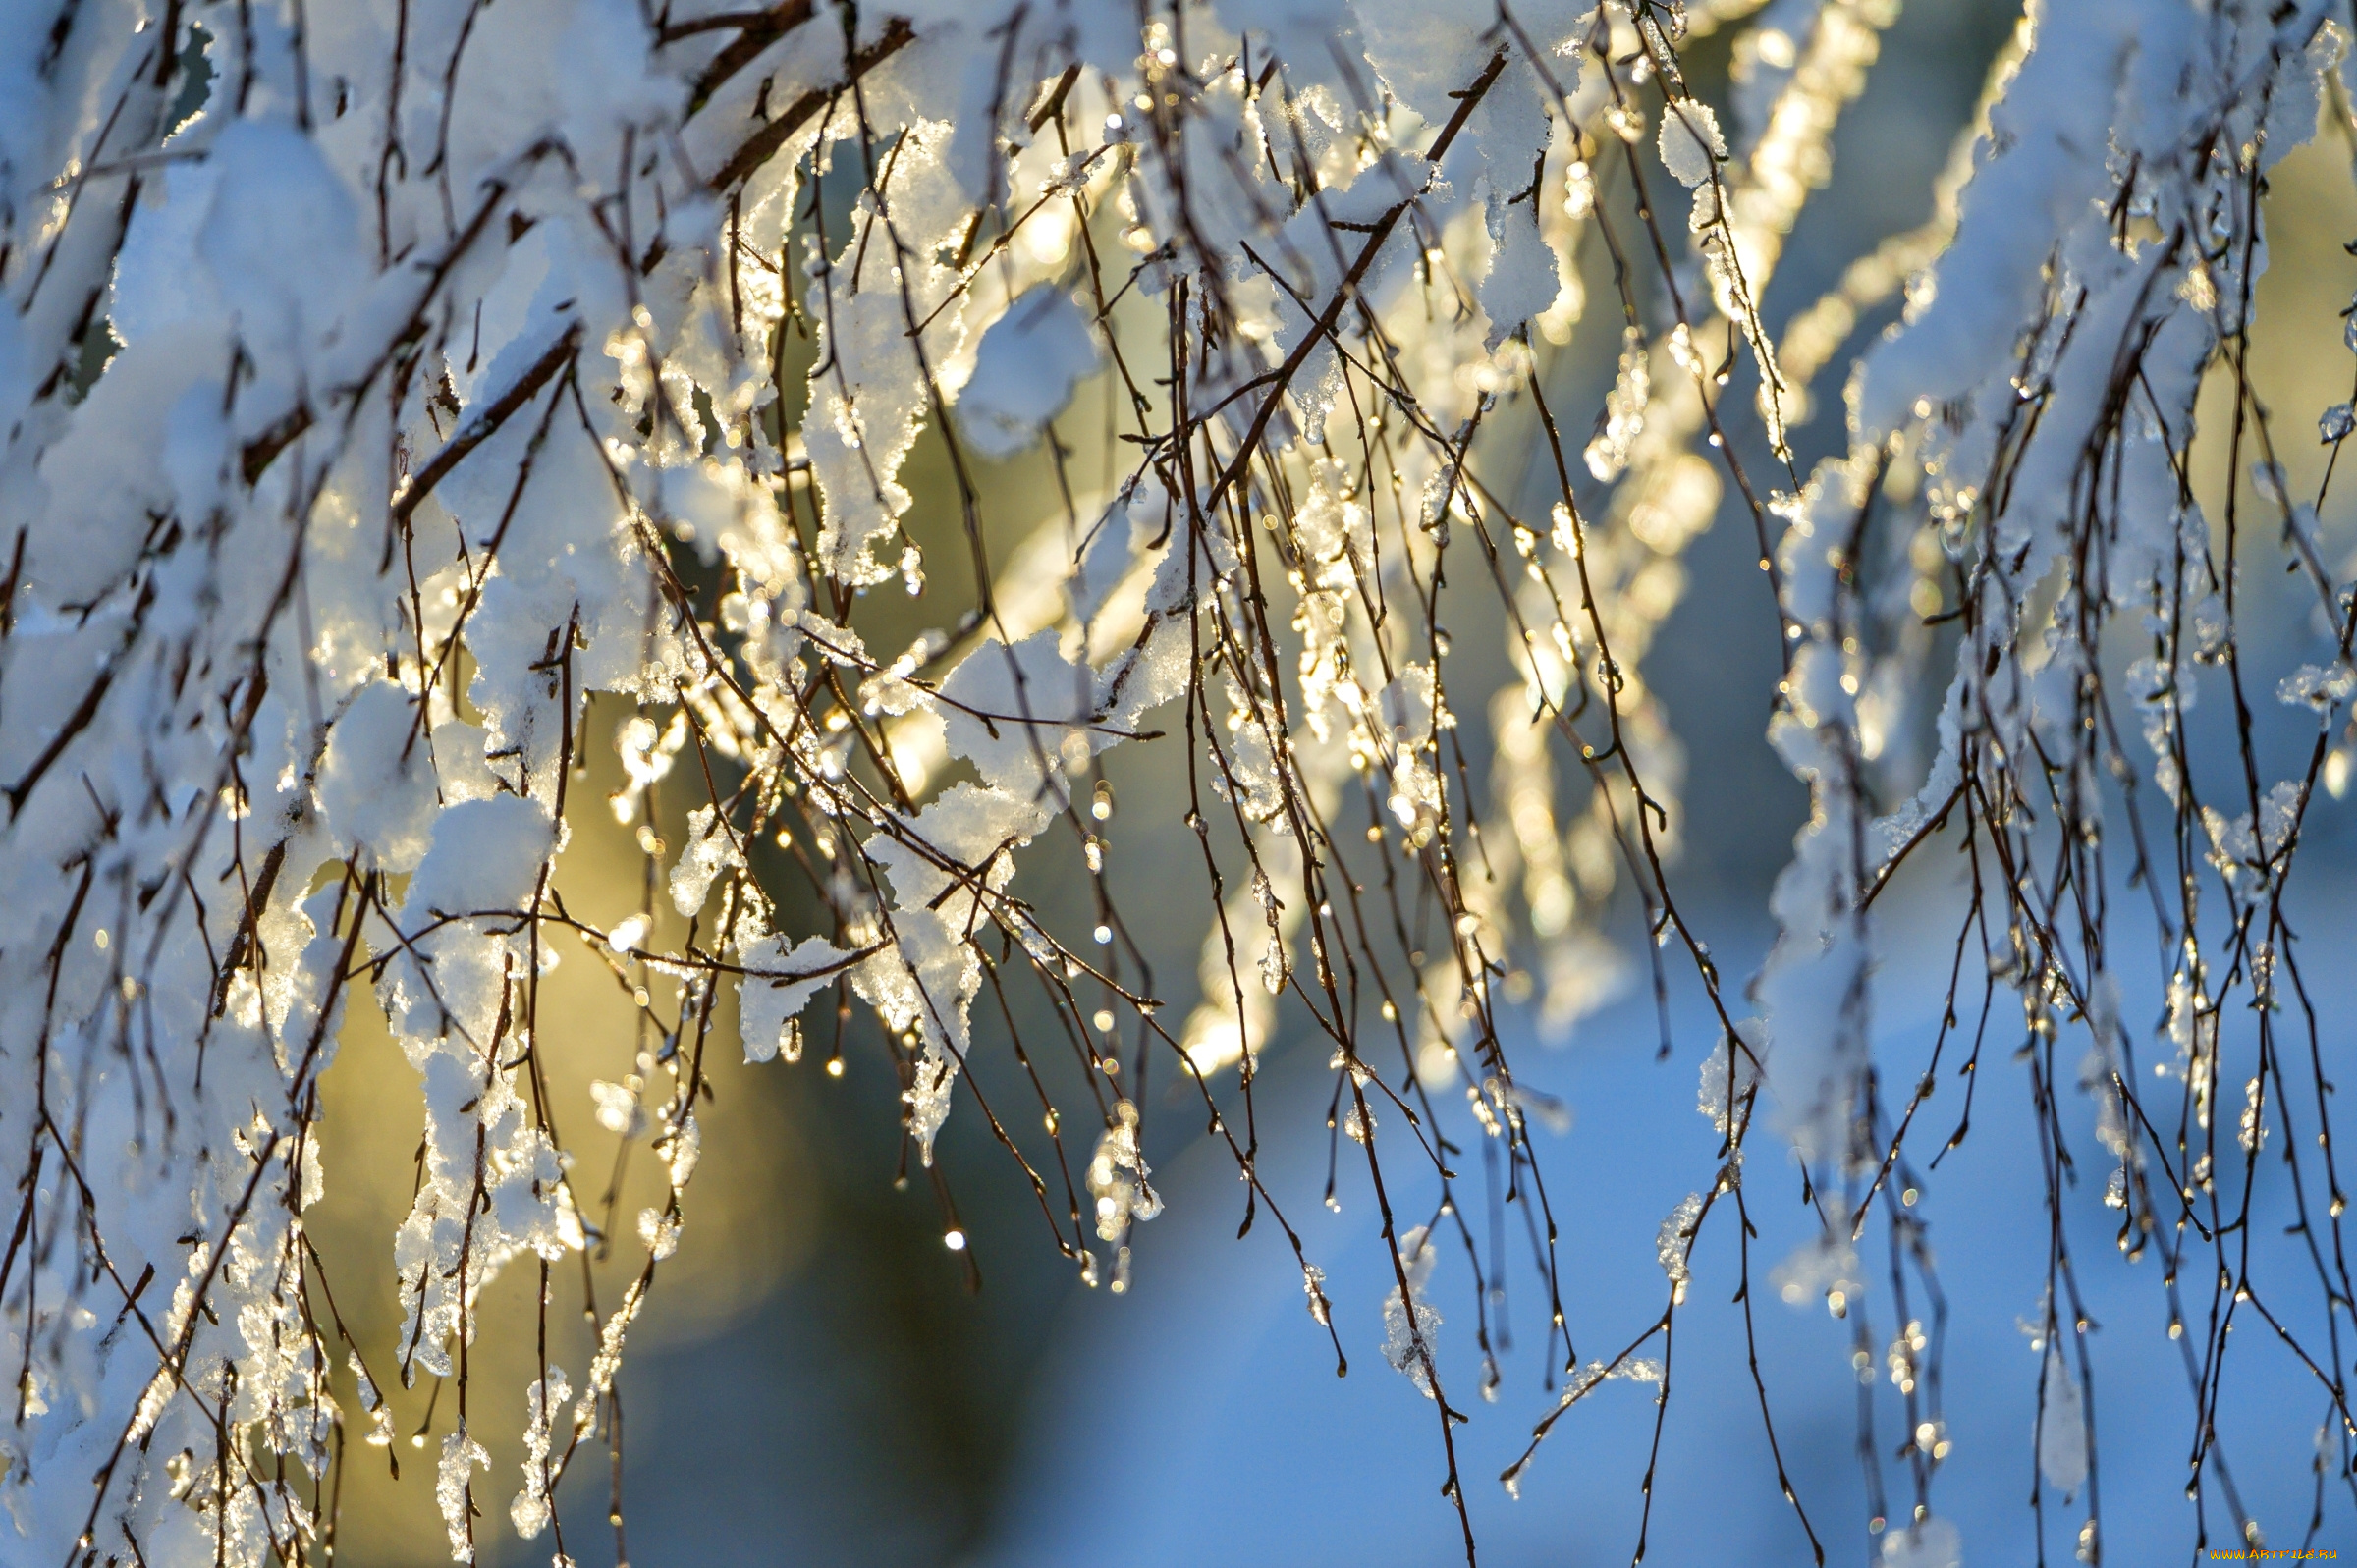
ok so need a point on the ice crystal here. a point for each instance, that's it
(1410, 1321)
(1625, 410)
(1677, 1238)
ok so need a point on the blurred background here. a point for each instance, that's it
(816, 1379)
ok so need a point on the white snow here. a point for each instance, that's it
(1030, 360)
(1689, 142)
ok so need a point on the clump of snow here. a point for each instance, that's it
(1690, 142)
(2061, 1426)
(1030, 360)
(1932, 1543)
(1677, 1238)
(777, 985)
